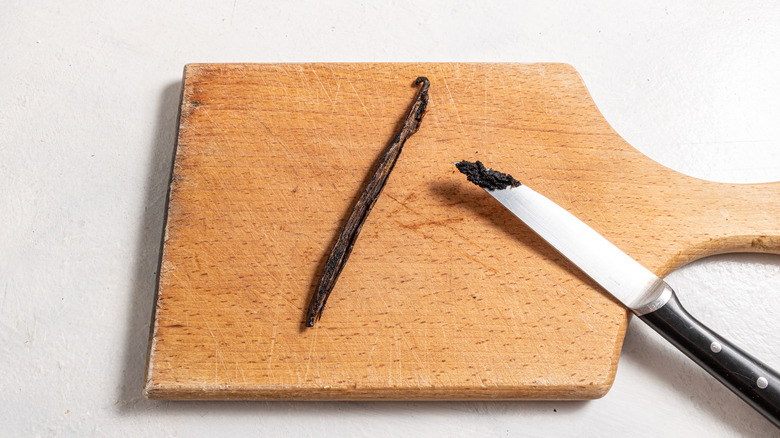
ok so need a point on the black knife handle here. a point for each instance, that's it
(754, 382)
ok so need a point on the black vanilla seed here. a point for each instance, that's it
(486, 178)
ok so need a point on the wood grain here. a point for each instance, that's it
(446, 295)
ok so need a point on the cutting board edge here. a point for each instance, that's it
(152, 342)
(742, 244)
(592, 391)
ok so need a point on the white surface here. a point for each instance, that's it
(88, 95)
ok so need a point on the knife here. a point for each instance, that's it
(646, 295)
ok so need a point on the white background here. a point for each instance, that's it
(88, 102)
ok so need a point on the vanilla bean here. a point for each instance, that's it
(343, 247)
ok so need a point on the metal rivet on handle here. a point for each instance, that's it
(716, 347)
(762, 382)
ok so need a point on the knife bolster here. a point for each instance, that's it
(663, 295)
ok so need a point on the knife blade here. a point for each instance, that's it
(646, 295)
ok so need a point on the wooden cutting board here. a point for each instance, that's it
(446, 294)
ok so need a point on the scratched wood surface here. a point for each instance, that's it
(446, 295)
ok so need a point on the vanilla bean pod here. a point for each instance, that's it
(346, 240)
